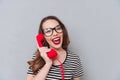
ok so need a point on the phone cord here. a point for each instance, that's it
(61, 69)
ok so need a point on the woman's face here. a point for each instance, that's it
(53, 33)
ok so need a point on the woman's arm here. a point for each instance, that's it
(45, 69)
(41, 74)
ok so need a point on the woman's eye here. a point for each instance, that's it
(47, 30)
(58, 28)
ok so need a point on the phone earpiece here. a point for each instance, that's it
(40, 38)
(51, 54)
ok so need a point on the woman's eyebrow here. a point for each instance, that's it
(51, 27)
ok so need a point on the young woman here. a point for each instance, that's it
(65, 66)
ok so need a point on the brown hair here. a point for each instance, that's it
(38, 62)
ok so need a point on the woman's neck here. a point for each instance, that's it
(59, 50)
(61, 56)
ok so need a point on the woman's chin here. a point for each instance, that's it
(56, 46)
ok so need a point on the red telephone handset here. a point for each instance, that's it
(51, 54)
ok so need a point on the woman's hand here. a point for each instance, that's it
(43, 53)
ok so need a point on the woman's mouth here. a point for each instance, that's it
(56, 40)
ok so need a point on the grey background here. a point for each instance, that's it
(93, 26)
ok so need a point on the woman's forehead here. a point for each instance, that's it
(51, 23)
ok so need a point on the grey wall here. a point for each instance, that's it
(93, 27)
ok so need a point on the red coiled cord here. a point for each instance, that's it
(61, 69)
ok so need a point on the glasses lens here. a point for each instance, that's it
(48, 32)
(58, 29)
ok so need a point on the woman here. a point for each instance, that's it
(66, 66)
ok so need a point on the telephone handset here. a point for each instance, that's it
(51, 54)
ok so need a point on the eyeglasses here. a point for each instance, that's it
(49, 31)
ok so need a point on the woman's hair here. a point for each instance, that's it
(38, 62)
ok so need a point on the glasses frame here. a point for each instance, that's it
(52, 30)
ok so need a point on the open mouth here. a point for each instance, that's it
(56, 40)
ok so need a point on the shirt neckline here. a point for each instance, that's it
(63, 61)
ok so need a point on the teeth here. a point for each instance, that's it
(56, 39)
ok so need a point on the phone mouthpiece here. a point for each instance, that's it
(52, 54)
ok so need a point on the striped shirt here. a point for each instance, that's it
(72, 68)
